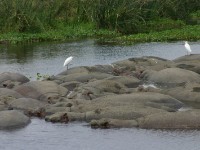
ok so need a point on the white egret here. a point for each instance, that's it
(187, 46)
(67, 61)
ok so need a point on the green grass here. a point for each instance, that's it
(191, 33)
(80, 31)
(64, 33)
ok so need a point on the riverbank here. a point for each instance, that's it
(70, 32)
(81, 31)
(189, 33)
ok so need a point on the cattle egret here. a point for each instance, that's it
(187, 46)
(67, 61)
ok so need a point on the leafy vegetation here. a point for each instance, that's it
(64, 33)
(186, 33)
(36, 20)
(40, 77)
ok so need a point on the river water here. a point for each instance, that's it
(40, 135)
(48, 58)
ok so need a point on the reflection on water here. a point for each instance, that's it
(48, 58)
(77, 136)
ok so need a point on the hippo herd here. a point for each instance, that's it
(146, 92)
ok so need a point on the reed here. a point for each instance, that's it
(33, 15)
(123, 16)
(127, 16)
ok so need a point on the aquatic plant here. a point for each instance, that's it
(64, 33)
(191, 33)
(40, 77)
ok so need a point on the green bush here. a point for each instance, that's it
(195, 18)
(160, 25)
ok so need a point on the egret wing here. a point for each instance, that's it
(68, 60)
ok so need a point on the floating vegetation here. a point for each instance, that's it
(190, 33)
(42, 77)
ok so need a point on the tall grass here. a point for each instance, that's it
(124, 16)
(33, 15)
(127, 16)
(120, 15)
